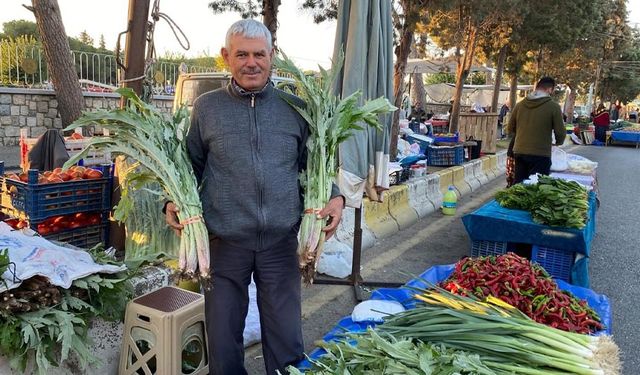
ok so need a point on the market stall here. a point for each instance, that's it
(624, 136)
(380, 337)
(481, 127)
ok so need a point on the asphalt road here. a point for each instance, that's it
(615, 253)
(439, 239)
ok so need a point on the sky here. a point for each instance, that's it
(307, 43)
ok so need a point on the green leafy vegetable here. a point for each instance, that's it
(552, 201)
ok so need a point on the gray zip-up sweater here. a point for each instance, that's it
(247, 150)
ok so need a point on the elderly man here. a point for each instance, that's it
(247, 147)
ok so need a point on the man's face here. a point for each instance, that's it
(249, 61)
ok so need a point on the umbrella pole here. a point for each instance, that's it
(355, 279)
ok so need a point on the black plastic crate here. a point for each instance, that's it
(35, 202)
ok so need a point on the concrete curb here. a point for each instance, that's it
(479, 173)
(344, 233)
(418, 198)
(459, 181)
(446, 179)
(399, 207)
(470, 177)
(433, 190)
(378, 218)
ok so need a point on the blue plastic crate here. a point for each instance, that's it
(558, 263)
(84, 238)
(422, 140)
(453, 139)
(35, 202)
(445, 156)
(486, 248)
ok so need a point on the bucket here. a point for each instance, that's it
(474, 151)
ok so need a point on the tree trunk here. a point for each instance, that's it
(496, 86)
(417, 89)
(417, 84)
(462, 72)
(571, 101)
(270, 17)
(402, 53)
(513, 91)
(59, 61)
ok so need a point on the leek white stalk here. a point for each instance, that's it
(158, 144)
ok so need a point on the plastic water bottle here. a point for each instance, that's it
(450, 202)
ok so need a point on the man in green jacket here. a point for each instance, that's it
(531, 123)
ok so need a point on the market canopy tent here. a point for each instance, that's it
(471, 94)
(365, 33)
(442, 65)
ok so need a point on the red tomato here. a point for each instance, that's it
(64, 176)
(95, 219)
(43, 230)
(13, 223)
(91, 174)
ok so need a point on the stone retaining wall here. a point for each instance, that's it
(37, 110)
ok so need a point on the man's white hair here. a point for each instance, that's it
(249, 28)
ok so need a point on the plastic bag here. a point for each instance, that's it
(336, 259)
(558, 160)
(251, 334)
(375, 310)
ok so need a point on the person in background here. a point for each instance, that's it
(503, 113)
(532, 122)
(601, 122)
(614, 113)
(511, 164)
(247, 147)
(633, 115)
(622, 112)
(418, 112)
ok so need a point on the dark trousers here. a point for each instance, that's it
(601, 133)
(526, 165)
(277, 278)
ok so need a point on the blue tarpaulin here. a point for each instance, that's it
(622, 136)
(493, 222)
(598, 302)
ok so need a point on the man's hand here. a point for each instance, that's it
(171, 217)
(333, 210)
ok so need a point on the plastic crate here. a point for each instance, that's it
(85, 237)
(445, 155)
(486, 248)
(453, 139)
(558, 263)
(75, 146)
(35, 202)
(422, 140)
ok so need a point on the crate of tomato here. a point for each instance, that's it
(83, 229)
(36, 196)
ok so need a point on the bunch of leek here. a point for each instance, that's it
(156, 143)
(331, 121)
(505, 338)
(147, 232)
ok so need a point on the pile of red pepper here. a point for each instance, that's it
(526, 286)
